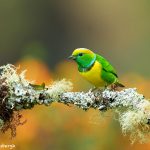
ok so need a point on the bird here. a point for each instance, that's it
(95, 68)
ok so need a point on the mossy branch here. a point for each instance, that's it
(16, 93)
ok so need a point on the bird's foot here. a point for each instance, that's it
(93, 89)
(114, 87)
(96, 89)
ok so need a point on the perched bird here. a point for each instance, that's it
(95, 68)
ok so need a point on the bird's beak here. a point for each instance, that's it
(72, 57)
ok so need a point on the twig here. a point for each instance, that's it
(16, 93)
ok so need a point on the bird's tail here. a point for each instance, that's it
(119, 84)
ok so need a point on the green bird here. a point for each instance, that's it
(95, 68)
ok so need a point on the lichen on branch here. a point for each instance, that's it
(132, 108)
(17, 93)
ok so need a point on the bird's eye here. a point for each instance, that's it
(80, 54)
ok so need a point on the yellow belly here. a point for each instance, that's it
(94, 75)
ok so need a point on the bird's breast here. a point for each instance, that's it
(94, 75)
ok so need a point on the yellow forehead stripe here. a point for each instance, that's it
(82, 50)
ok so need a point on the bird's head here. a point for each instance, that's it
(84, 57)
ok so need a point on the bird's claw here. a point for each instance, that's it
(93, 89)
(96, 89)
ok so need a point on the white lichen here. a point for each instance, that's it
(23, 96)
(135, 124)
(125, 98)
(81, 99)
(9, 72)
(59, 87)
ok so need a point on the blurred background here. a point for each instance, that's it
(39, 35)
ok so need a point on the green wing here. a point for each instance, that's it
(108, 72)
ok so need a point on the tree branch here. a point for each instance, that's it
(16, 93)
